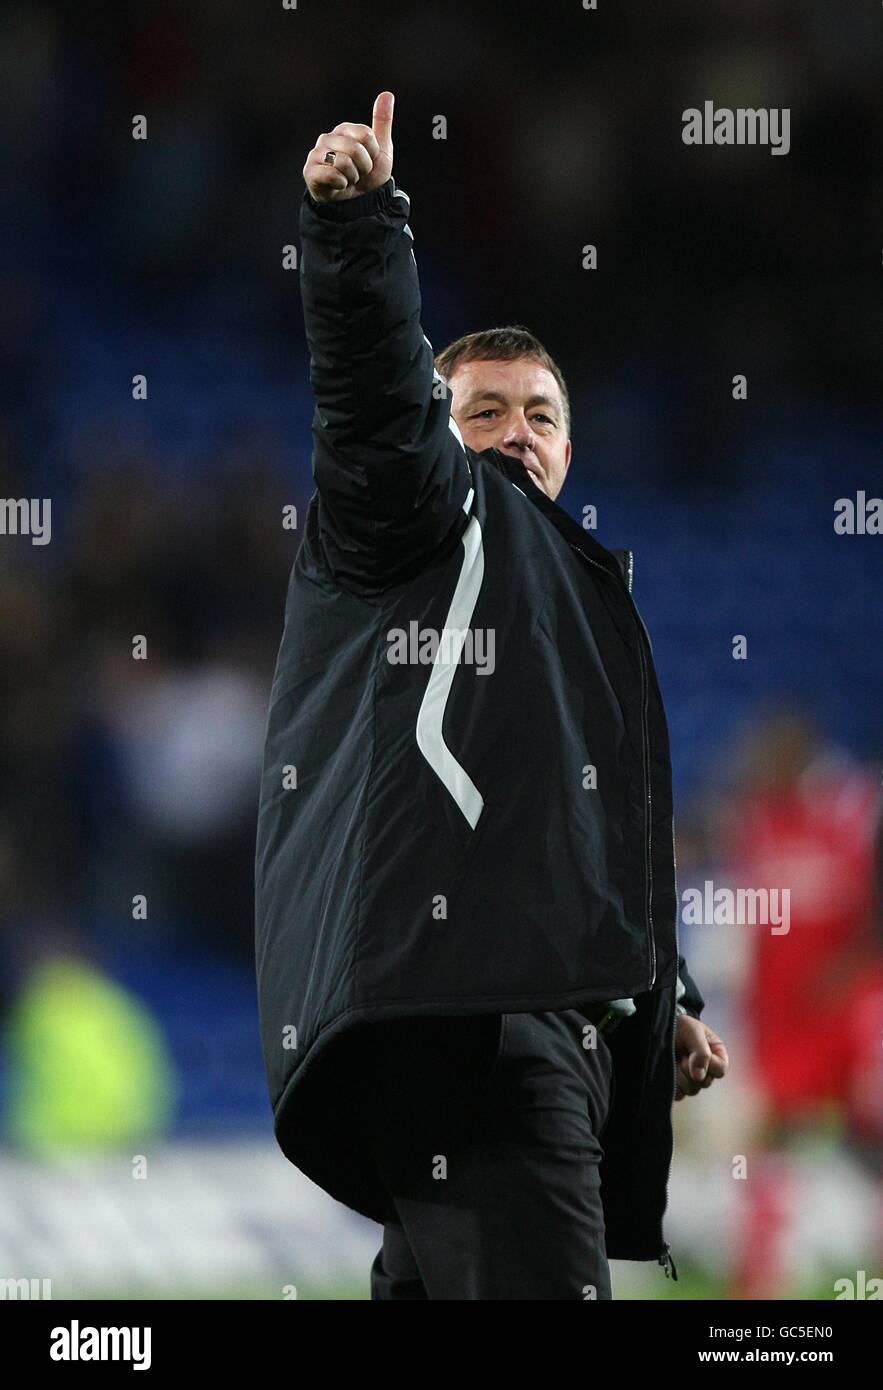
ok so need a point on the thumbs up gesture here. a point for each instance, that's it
(362, 156)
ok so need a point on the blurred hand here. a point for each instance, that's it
(363, 156)
(701, 1057)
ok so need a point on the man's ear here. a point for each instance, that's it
(567, 453)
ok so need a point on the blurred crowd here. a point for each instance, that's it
(562, 129)
(130, 770)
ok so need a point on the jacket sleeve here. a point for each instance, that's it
(689, 999)
(393, 480)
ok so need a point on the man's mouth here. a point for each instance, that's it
(529, 463)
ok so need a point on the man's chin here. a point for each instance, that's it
(543, 485)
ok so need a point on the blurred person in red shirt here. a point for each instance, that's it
(808, 820)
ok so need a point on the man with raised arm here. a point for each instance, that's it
(466, 909)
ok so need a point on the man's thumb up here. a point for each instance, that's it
(381, 122)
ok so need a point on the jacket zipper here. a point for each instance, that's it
(645, 752)
(665, 1258)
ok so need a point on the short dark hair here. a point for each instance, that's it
(504, 345)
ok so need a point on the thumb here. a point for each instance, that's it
(381, 120)
(699, 1060)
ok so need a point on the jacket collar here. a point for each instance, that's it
(617, 562)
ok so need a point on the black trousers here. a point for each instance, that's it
(485, 1133)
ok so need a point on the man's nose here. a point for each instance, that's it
(520, 435)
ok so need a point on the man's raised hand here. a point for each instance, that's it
(363, 156)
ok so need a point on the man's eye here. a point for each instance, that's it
(484, 412)
(545, 417)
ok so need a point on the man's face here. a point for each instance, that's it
(515, 407)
